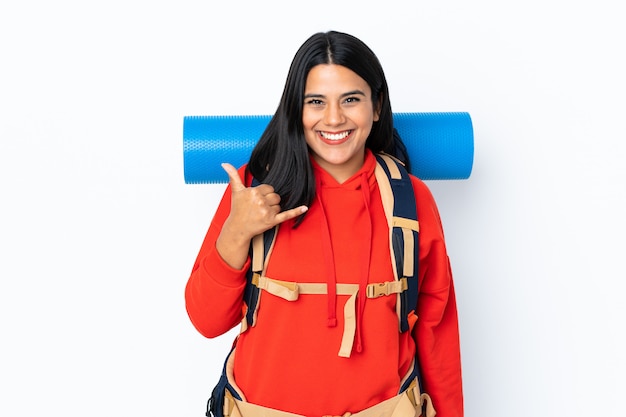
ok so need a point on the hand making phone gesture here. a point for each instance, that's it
(253, 211)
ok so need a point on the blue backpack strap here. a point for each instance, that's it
(215, 404)
(258, 255)
(401, 210)
(259, 252)
(404, 242)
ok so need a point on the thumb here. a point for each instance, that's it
(233, 176)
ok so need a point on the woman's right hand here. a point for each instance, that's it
(253, 211)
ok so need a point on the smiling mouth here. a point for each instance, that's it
(335, 137)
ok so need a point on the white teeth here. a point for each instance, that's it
(334, 136)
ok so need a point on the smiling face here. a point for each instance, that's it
(337, 117)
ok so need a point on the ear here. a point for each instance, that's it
(377, 107)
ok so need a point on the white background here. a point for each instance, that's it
(99, 231)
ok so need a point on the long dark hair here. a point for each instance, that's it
(281, 157)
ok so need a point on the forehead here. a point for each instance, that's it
(327, 78)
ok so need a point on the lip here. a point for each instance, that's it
(334, 142)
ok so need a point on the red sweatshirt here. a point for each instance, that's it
(289, 360)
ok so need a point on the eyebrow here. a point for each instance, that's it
(349, 93)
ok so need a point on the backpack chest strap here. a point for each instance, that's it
(290, 291)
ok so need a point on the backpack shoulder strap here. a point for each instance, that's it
(260, 250)
(400, 205)
(398, 196)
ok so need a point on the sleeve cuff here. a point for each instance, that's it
(222, 273)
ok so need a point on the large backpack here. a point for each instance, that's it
(398, 197)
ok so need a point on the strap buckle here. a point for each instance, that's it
(386, 288)
(378, 290)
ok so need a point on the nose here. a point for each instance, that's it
(333, 115)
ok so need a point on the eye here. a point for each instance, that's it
(314, 102)
(352, 99)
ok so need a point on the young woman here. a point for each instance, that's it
(316, 167)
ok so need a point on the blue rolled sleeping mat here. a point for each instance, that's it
(440, 145)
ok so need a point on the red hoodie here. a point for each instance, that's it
(289, 360)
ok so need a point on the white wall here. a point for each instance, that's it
(99, 231)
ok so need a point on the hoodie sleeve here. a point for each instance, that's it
(437, 330)
(214, 291)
